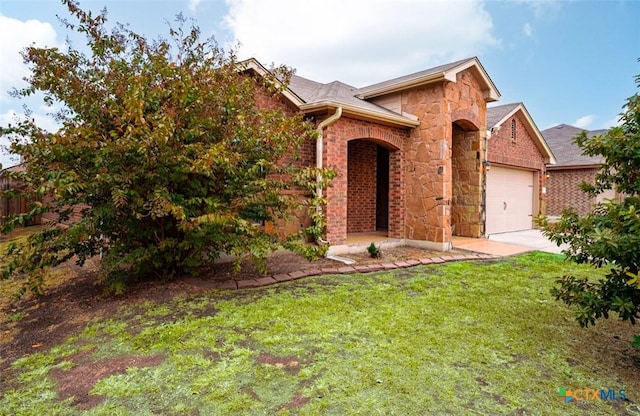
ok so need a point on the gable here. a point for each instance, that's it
(439, 74)
(499, 118)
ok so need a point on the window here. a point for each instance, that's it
(513, 130)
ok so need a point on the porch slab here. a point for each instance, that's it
(358, 243)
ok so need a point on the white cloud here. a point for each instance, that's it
(15, 35)
(543, 9)
(612, 122)
(527, 29)
(358, 42)
(11, 117)
(585, 122)
(193, 5)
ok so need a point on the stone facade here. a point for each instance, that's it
(429, 158)
(467, 182)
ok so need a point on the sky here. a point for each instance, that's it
(569, 62)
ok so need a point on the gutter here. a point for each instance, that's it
(319, 151)
(388, 118)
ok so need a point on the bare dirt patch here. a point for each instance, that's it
(298, 401)
(78, 381)
(290, 364)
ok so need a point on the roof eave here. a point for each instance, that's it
(583, 166)
(359, 112)
(491, 92)
(254, 65)
(412, 83)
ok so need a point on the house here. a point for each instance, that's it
(572, 168)
(408, 152)
(12, 206)
(410, 155)
(517, 155)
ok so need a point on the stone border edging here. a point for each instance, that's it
(285, 277)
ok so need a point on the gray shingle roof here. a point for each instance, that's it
(560, 140)
(497, 113)
(314, 95)
(416, 75)
(339, 92)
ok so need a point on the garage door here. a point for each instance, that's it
(509, 200)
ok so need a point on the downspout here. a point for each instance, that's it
(319, 150)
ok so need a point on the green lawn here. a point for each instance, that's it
(461, 338)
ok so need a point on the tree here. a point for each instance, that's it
(608, 236)
(163, 150)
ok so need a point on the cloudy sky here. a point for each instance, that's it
(570, 62)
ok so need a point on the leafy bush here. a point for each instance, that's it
(609, 236)
(165, 153)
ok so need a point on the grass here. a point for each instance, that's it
(460, 338)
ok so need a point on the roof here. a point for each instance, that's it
(20, 167)
(447, 72)
(312, 97)
(569, 154)
(317, 96)
(499, 114)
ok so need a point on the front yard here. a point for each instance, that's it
(460, 338)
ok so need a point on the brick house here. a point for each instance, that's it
(12, 206)
(572, 168)
(408, 152)
(515, 180)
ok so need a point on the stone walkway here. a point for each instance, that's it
(273, 279)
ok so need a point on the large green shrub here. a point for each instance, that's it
(609, 236)
(164, 151)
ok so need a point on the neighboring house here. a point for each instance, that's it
(12, 206)
(572, 168)
(408, 152)
(515, 180)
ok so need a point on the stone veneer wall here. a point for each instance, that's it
(429, 151)
(466, 206)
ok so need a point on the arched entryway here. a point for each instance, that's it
(366, 196)
(467, 180)
(368, 185)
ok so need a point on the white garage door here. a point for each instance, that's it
(509, 200)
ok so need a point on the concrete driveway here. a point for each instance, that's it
(532, 239)
(507, 244)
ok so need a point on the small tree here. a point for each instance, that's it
(163, 150)
(609, 236)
